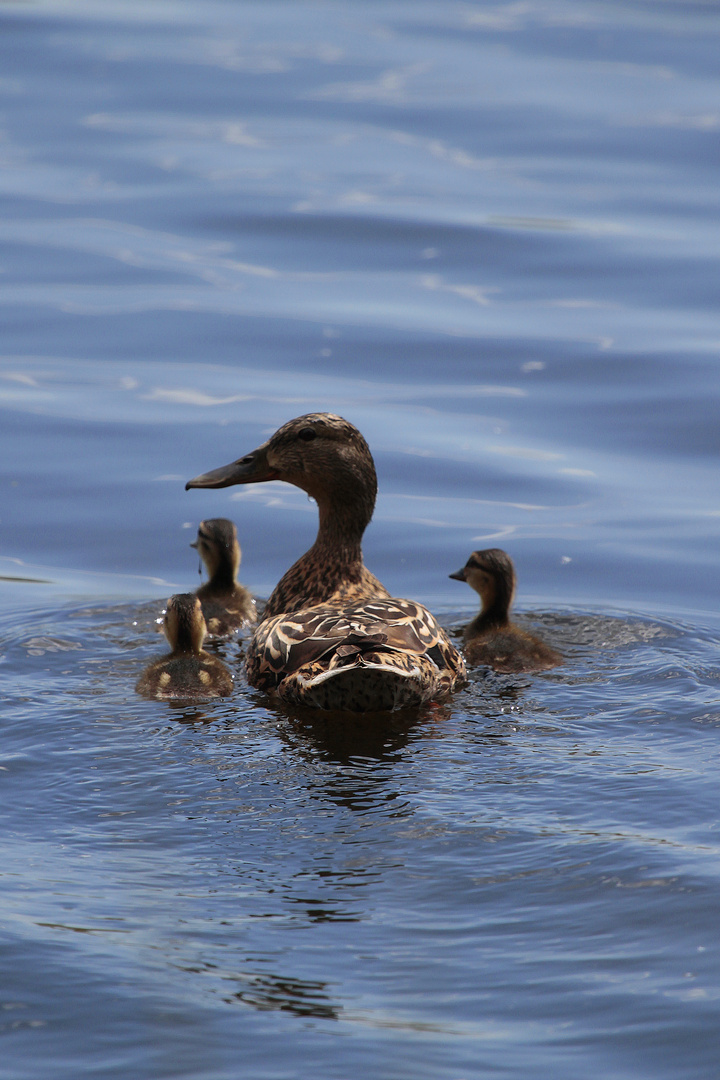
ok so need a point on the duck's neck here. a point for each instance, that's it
(340, 533)
(188, 640)
(493, 616)
(184, 646)
(333, 565)
(223, 577)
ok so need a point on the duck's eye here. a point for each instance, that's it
(307, 434)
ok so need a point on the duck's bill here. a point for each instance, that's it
(251, 469)
(459, 575)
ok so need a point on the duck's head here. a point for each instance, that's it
(491, 574)
(218, 547)
(321, 453)
(184, 624)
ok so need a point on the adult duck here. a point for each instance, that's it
(331, 636)
(226, 604)
(492, 638)
(187, 672)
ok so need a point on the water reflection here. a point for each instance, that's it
(184, 714)
(301, 997)
(345, 738)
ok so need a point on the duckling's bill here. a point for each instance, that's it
(459, 575)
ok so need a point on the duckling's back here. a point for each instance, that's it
(226, 610)
(511, 650)
(185, 677)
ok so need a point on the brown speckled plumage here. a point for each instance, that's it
(369, 655)
(226, 604)
(491, 638)
(187, 673)
(330, 635)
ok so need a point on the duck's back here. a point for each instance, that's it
(370, 655)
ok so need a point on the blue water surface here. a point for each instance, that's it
(487, 234)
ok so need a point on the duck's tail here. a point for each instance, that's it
(364, 680)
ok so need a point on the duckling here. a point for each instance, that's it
(331, 636)
(226, 605)
(491, 638)
(187, 672)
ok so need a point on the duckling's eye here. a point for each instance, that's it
(307, 434)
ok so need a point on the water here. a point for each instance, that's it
(488, 235)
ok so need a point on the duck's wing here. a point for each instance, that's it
(285, 643)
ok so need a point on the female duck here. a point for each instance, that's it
(331, 636)
(187, 672)
(491, 638)
(226, 605)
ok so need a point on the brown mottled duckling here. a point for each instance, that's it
(331, 636)
(226, 604)
(491, 638)
(188, 672)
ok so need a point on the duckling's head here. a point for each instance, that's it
(217, 545)
(184, 624)
(321, 453)
(491, 574)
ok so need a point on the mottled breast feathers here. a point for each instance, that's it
(311, 581)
